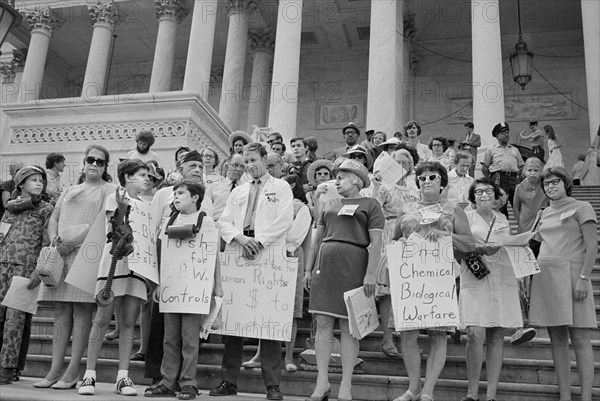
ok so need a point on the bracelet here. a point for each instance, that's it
(583, 277)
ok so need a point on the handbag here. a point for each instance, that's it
(50, 265)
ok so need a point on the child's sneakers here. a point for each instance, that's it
(88, 386)
(125, 386)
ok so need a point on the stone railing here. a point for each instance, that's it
(31, 130)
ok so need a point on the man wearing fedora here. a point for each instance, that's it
(351, 134)
(471, 142)
(503, 162)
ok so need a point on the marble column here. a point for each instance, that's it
(42, 23)
(411, 61)
(261, 43)
(200, 48)
(283, 111)
(12, 72)
(488, 84)
(169, 14)
(235, 62)
(385, 108)
(104, 17)
(590, 11)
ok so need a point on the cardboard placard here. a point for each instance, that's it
(258, 299)
(143, 260)
(422, 283)
(19, 297)
(187, 272)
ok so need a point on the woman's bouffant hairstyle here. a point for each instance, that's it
(194, 187)
(483, 181)
(443, 140)
(413, 152)
(561, 173)
(432, 166)
(129, 167)
(462, 155)
(410, 124)
(105, 176)
(408, 155)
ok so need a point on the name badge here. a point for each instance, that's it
(348, 210)
(4, 227)
(568, 214)
(271, 197)
(430, 214)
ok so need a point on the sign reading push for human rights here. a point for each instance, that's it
(188, 270)
(258, 300)
(422, 283)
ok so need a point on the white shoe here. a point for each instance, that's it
(125, 386)
(88, 386)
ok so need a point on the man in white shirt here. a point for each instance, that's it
(144, 141)
(223, 187)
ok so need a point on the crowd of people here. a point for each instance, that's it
(337, 218)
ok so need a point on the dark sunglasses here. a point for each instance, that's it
(92, 160)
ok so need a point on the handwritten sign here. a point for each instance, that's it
(143, 260)
(187, 271)
(422, 283)
(258, 299)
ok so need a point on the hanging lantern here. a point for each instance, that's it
(9, 17)
(521, 62)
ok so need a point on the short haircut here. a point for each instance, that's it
(298, 190)
(129, 167)
(561, 173)
(406, 153)
(281, 144)
(410, 124)
(277, 136)
(311, 143)
(486, 181)
(255, 147)
(214, 154)
(194, 187)
(463, 155)
(432, 166)
(413, 152)
(53, 159)
(299, 139)
(146, 136)
(382, 133)
(441, 139)
(469, 125)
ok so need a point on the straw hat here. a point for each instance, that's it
(392, 141)
(235, 135)
(357, 168)
(316, 165)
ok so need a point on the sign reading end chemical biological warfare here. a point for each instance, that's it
(188, 270)
(422, 283)
(258, 300)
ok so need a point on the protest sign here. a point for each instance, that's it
(422, 283)
(258, 299)
(143, 260)
(187, 271)
(19, 297)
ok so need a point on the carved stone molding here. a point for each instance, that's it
(10, 68)
(262, 40)
(173, 9)
(239, 6)
(103, 13)
(410, 29)
(165, 129)
(201, 141)
(44, 19)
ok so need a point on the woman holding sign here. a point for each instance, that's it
(432, 219)
(491, 303)
(345, 228)
(562, 297)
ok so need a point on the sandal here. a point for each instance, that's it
(390, 350)
(425, 397)
(408, 396)
(187, 393)
(159, 391)
(138, 356)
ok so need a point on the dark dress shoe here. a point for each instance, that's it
(273, 393)
(223, 389)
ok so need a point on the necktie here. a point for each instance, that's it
(468, 138)
(252, 202)
(233, 185)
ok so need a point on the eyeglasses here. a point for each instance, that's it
(436, 145)
(350, 132)
(207, 156)
(554, 182)
(92, 160)
(489, 191)
(431, 177)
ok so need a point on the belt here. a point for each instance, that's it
(249, 233)
(509, 173)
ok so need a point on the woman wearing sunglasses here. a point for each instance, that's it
(74, 214)
(490, 304)
(562, 298)
(431, 179)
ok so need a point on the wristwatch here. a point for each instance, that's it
(583, 277)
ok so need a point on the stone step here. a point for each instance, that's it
(301, 383)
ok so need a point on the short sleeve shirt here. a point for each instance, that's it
(503, 158)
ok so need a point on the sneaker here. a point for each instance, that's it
(225, 388)
(522, 336)
(125, 386)
(88, 386)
